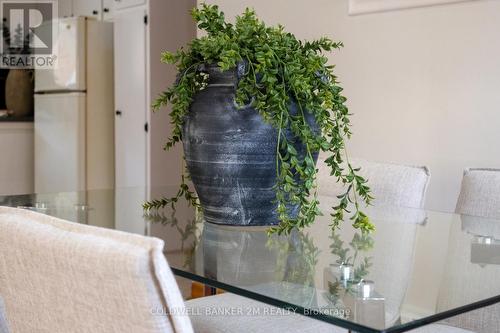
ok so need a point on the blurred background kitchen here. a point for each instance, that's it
(87, 123)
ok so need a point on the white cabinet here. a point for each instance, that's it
(108, 9)
(131, 116)
(141, 33)
(89, 8)
(98, 9)
(142, 30)
(130, 97)
(16, 158)
(60, 142)
(65, 8)
(120, 4)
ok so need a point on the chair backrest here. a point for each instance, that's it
(479, 200)
(58, 276)
(480, 193)
(391, 184)
(462, 278)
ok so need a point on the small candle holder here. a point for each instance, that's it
(346, 272)
(366, 289)
(40, 207)
(82, 212)
(367, 305)
(485, 250)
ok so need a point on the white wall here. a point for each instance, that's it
(423, 83)
(171, 28)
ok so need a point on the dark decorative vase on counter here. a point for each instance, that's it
(231, 154)
(19, 90)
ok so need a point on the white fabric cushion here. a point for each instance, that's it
(480, 193)
(58, 276)
(481, 226)
(484, 320)
(391, 184)
(439, 328)
(205, 318)
(265, 318)
(479, 197)
(464, 282)
(392, 265)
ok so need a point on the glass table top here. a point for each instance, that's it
(418, 267)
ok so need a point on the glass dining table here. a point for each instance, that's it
(417, 268)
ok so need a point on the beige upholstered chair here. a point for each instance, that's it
(460, 274)
(439, 328)
(58, 276)
(264, 320)
(269, 323)
(479, 197)
(391, 184)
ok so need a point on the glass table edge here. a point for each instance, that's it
(334, 320)
(151, 188)
(275, 302)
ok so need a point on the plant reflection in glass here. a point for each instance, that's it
(189, 231)
(295, 266)
(297, 257)
(348, 254)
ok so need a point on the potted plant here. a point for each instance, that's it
(19, 83)
(253, 107)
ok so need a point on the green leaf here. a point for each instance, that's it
(291, 150)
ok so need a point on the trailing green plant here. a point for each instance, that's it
(360, 244)
(280, 69)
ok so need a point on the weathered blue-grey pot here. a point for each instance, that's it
(230, 153)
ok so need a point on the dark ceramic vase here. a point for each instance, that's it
(19, 92)
(230, 153)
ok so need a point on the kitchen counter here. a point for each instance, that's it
(17, 119)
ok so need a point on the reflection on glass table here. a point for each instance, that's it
(418, 267)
